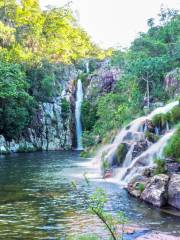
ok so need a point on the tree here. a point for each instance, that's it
(14, 101)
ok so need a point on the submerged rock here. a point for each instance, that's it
(174, 191)
(155, 191)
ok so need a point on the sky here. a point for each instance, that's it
(113, 23)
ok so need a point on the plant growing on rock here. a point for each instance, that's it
(140, 187)
(172, 150)
(160, 166)
(120, 154)
(175, 114)
(151, 137)
(159, 120)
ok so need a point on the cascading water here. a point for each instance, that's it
(133, 133)
(79, 100)
(87, 67)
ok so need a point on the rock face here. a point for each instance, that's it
(155, 191)
(137, 185)
(102, 80)
(174, 191)
(172, 82)
(52, 126)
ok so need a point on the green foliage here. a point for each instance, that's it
(89, 115)
(140, 187)
(151, 137)
(160, 166)
(104, 164)
(15, 101)
(65, 108)
(175, 114)
(172, 150)
(159, 120)
(118, 59)
(120, 154)
(35, 34)
(88, 139)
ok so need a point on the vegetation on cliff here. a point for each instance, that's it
(34, 46)
(144, 66)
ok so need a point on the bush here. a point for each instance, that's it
(140, 187)
(88, 139)
(159, 120)
(88, 115)
(151, 137)
(65, 108)
(175, 114)
(160, 166)
(120, 154)
(172, 150)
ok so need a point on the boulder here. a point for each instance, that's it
(155, 191)
(139, 148)
(174, 191)
(137, 185)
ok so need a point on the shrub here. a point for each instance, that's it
(172, 150)
(140, 187)
(159, 120)
(88, 139)
(151, 137)
(160, 166)
(88, 115)
(175, 114)
(65, 108)
(120, 154)
(105, 165)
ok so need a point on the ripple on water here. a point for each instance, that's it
(37, 201)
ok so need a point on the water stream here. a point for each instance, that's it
(131, 134)
(79, 99)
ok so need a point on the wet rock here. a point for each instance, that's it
(139, 148)
(149, 127)
(155, 191)
(173, 167)
(120, 154)
(174, 191)
(137, 185)
(148, 172)
(134, 136)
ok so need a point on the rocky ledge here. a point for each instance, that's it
(158, 190)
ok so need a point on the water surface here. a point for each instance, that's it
(38, 202)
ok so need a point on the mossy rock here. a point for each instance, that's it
(160, 166)
(151, 137)
(159, 120)
(172, 150)
(120, 154)
(175, 114)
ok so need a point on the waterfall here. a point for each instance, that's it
(87, 67)
(79, 99)
(131, 135)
